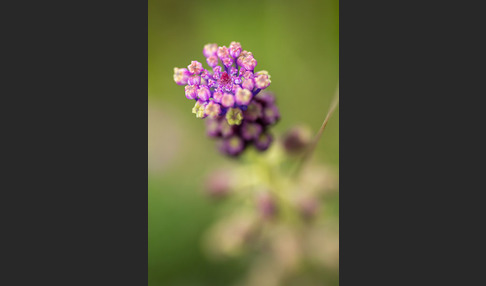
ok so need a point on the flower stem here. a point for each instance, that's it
(312, 146)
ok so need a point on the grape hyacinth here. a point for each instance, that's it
(230, 97)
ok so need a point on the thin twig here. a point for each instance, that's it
(314, 142)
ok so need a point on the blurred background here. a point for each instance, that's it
(297, 42)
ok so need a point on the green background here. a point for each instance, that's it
(297, 42)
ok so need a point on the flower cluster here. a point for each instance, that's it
(229, 96)
(253, 130)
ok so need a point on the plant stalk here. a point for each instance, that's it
(310, 149)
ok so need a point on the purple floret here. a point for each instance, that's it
(250, 130)
(233, 146)
(212, 127)
(263, 141)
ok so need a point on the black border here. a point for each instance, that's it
(77, 185)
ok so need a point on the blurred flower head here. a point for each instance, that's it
(271, 216)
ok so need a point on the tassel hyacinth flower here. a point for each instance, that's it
(230, 97)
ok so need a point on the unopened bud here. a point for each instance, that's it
(296, 139)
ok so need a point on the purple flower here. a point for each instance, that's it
(212, 61)
(213, 109)
(212, 127)
(181, 76)
(248, 83)
(211, 82)
(226, 129)
(253, 112)
(235, 49)
(262, 79)
(227, 62)
(230, 94)
(194, 79)
(210, 50)
(296, 139)
(247, 74)
(223, 52)
(227, 100)
(203, 93)
(233, 71)
(265, 97)
(270, 114)
(206, 74)
(233, 146)
(217, 96)
(237, 81)
(250, 130)
(199, 109)
(243, 96)
(217, 72)
(263, 141)
(234, 116)
(247, 61)
(191, 91)
(195, 67)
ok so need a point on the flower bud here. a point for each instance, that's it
(262, 80)
(251, 130)
(181, 76)
(249, 63)
(212, 127)
(195, 67)
(234, 116)
(217, 96)
(217, 72)
(212, 61)
(263, 141)
(203, 93)
(213, 109)
(223, 53)
(191, 91)
(253, 112)
(210, 50)
(235, 49)
(265, 98)
(270, 115)
(227, 100)
(199, 108)
(296, 139)
(227, 62)
(226, 129)
(194, 80)
(206, 75)
(248, 83)
(232, 146)
(243, 96)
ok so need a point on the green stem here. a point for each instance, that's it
(312, 146)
